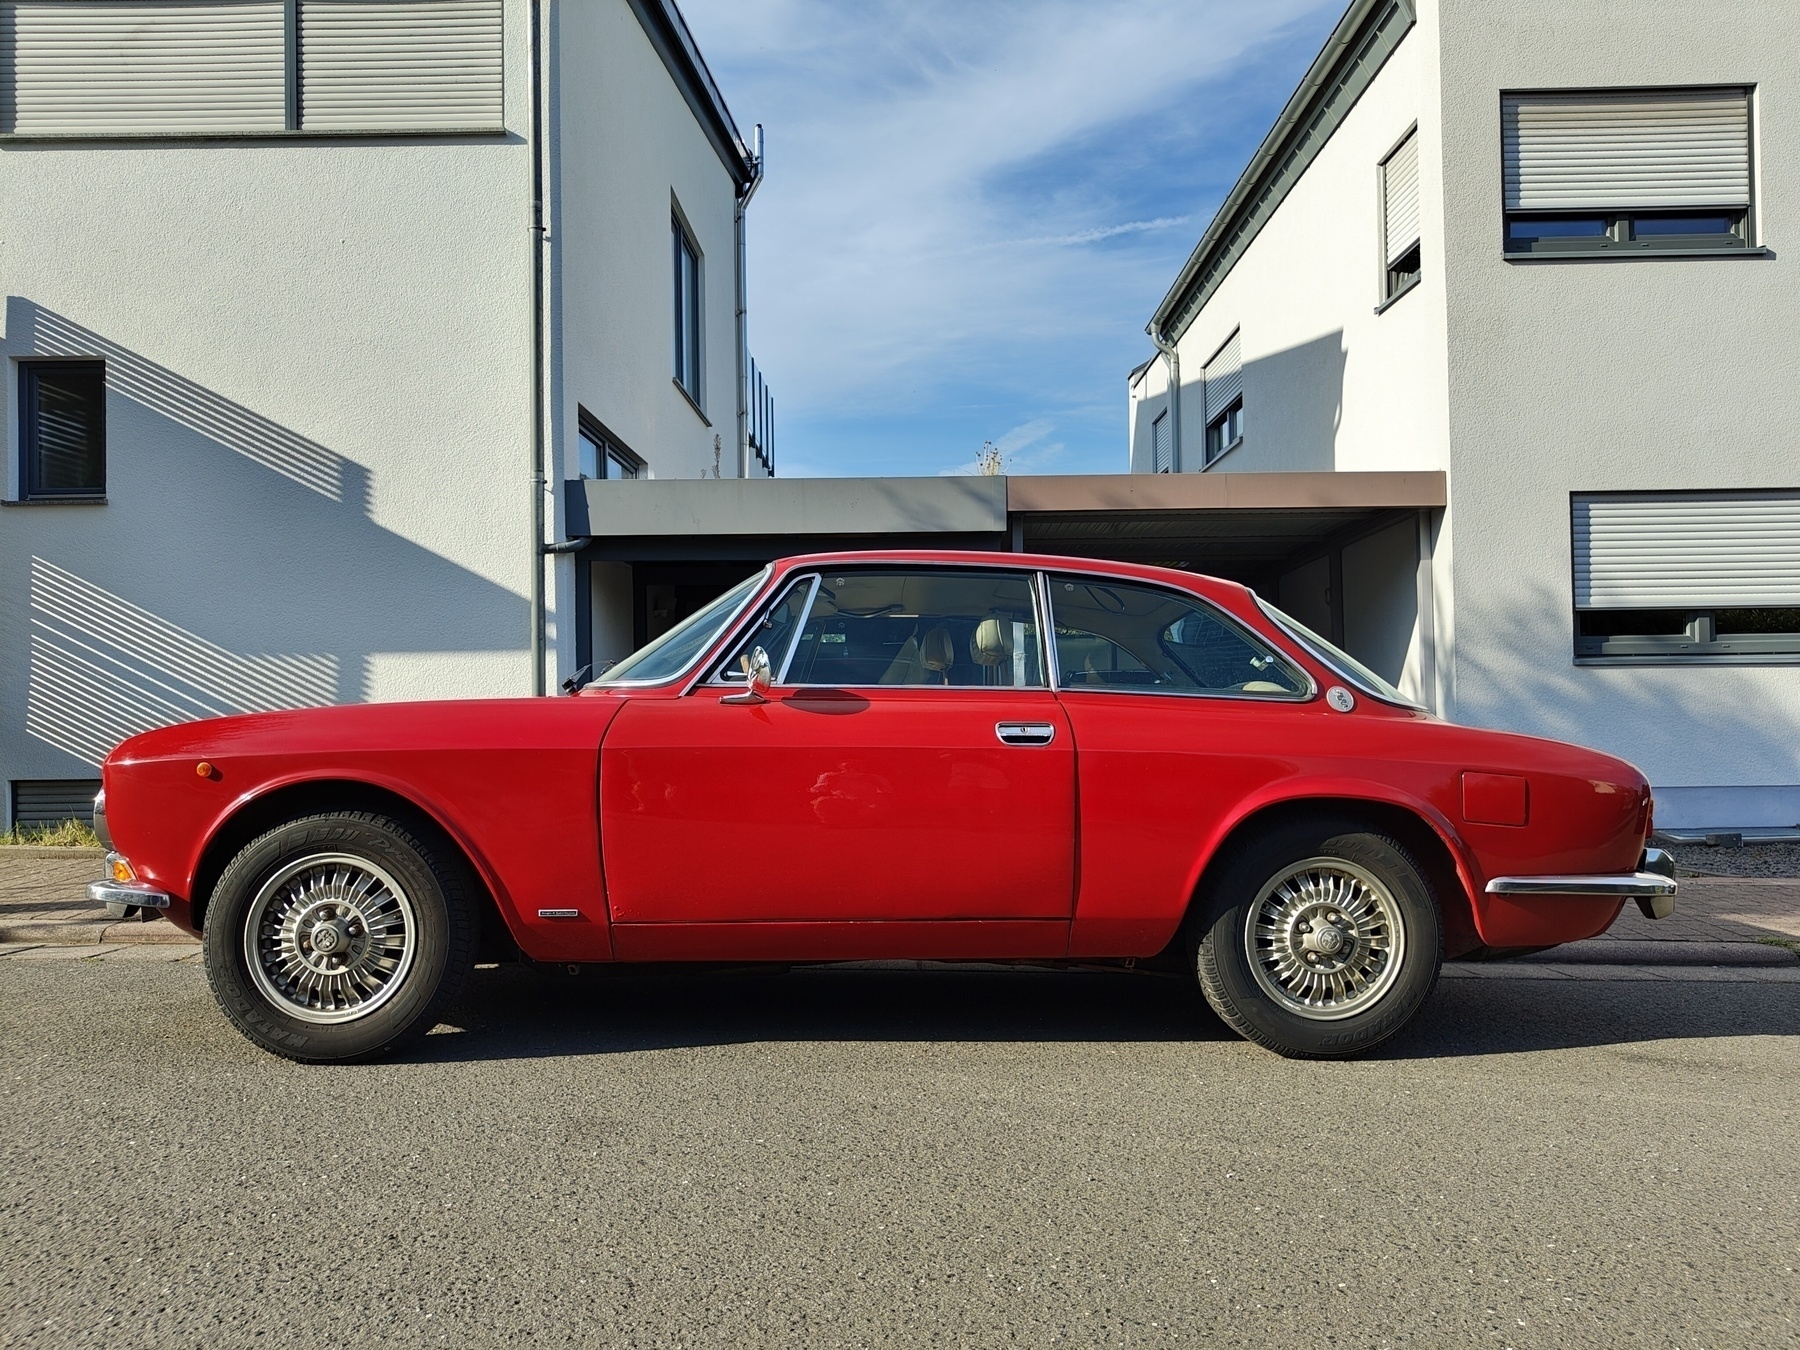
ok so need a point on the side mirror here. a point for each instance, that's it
(759, 675)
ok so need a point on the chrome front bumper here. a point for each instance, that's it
(127, 893)
(1652, 885)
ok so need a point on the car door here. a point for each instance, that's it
(1178, 713)
(909, 763)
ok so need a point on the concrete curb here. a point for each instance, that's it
(1667, 952)
(92, 932)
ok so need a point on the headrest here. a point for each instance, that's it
(936, 651)
(991, 643)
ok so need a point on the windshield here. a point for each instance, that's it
(1341, 661)
(681, 646)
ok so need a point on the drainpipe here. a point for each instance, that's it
(538, 241)
(1173, 357)
(743, 303)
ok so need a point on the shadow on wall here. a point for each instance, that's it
(1515, 671)
(1293, 405)
(236, 568)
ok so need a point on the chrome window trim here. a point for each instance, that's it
(730, 627)
(1027, 573)
(716, 679)
(1346, 676)
(1225, 616)
(1046, 627)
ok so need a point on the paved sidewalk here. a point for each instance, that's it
(1718, 921)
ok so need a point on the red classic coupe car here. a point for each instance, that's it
(946, 756)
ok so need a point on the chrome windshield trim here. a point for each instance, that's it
(1623, 886)
(1348, 677)
(761, 579)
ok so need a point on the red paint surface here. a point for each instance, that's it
(890, 822)
(1495, 798)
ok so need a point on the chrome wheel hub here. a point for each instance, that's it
(329, 938)
(1325, 939)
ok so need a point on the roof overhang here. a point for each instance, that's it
(668, 32)
(1351, 58)
(1234, 524)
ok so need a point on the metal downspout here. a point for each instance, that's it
(743, 302)
(538, 619)
(1172, 356)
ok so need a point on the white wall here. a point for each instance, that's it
(1328, 383)
(630, 148)
(317, 415)
(1637, 374)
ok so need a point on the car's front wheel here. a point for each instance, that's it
(338, 936)
(1321, 940)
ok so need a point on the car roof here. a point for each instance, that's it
(1215, 587)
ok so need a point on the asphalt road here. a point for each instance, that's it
(851, 1158)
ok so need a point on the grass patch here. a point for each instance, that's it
(64, 834)
(1791, 944)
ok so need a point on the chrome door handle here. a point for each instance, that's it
(1025, 733)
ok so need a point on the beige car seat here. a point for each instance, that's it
(937, 653)
(991, 643)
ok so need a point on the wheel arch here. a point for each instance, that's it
(1426, 839)
(287, 801)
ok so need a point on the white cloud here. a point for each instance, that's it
(922, 222)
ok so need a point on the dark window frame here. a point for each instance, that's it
(1700, 639)
(609, 451)
(1618, 233)
(1216, 448)
(690, 323)
(30, 488)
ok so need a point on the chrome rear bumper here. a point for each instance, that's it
(1652, 885)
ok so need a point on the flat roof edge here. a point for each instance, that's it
(1066, 494)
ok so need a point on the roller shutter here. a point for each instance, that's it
(1160, 445)
(1224, 377)
(106, 67)
(1634, 151)
(400, 65)
(1400, 200)
(1673, 551)
(50, 801)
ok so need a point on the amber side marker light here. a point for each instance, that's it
(204, 769)
(119, 867)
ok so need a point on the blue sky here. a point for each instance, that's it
(972, 207)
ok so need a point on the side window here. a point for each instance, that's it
(774, 634)
(964, 630)
(62, 433)
(1120, 636)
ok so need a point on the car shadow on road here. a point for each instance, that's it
(518, 1012)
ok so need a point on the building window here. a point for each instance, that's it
(1400, 218)
(62, 431)
(1636, 171)
(1222, 384)
(1667, 575)
(603, 455)
(1160, 449)
(687, 311)
(249, 67)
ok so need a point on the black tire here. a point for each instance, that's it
(1306, 1002)
(420, 915)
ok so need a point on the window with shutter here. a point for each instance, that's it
(142, 67)
(1711, 574)
(400, 65)
(1400, 218)
(1160, 449)
(1222, 384)
(1647, 170)
(168, 68)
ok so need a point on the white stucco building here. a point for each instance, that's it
(293, 382)
(1547, 248)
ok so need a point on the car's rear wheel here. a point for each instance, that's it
(1321, 940)
(338, 936)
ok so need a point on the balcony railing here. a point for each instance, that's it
(762, 421)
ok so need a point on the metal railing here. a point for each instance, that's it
(762, 421)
